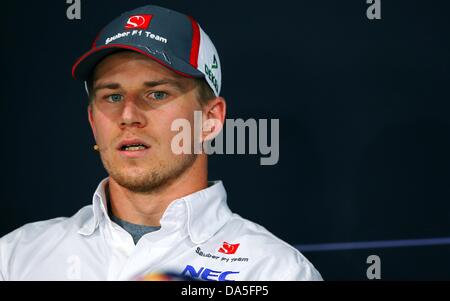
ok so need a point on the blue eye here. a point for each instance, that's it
(115, 98)
(159, 95)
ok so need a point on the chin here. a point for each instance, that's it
(135, 172)
(135, 179)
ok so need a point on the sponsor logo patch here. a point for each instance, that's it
(138, 22)
(228, 248)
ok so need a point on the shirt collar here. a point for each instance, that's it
(99, 209)
(203, 212)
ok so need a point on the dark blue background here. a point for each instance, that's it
(363, 109)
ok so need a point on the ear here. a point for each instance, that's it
(91, 119)
(213, 117)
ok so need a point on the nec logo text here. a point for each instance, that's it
(207, 274)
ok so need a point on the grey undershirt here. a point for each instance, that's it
(136, 231)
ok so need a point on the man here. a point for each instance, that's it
(156, 212)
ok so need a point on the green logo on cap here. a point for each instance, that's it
(214, 65)
(212, 77)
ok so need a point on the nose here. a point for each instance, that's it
(132, 115)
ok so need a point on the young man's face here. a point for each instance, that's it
(137, 98)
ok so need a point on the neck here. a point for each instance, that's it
(147, 209)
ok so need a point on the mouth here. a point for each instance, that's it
(133, 148)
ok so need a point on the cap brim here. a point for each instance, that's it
(84, 66)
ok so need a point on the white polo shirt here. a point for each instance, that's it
(199, 237)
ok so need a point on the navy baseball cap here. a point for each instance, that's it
(172, 39)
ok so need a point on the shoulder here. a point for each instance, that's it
(277, 259)
(40, 229)
(25, 240)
